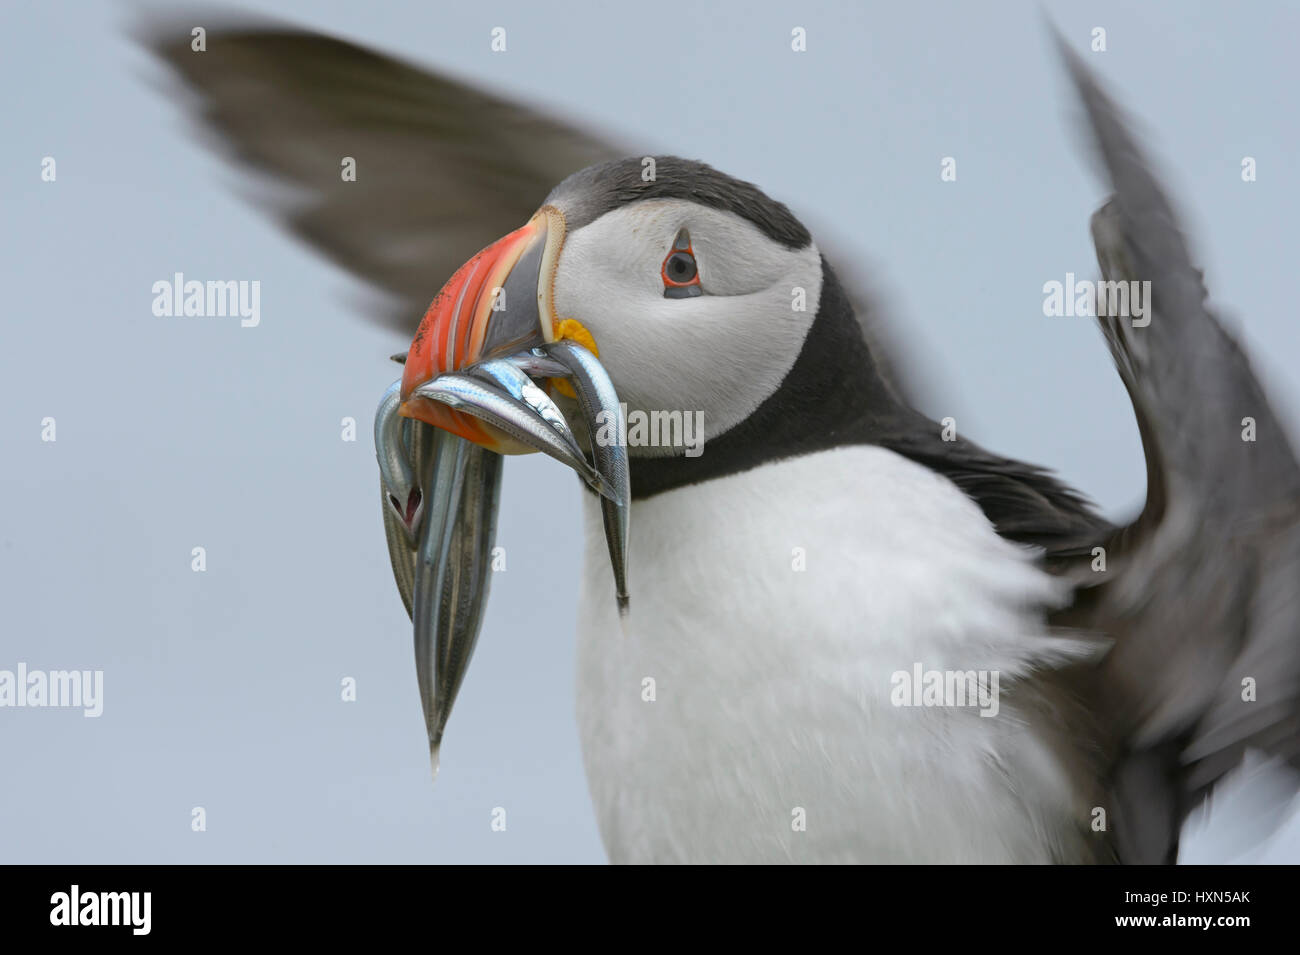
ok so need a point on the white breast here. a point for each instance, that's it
(771, 696)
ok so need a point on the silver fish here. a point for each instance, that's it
(498, 408)
(506, 373)
(401, 551)
(399, 442)
(463, 487)
(441, 496)
(597, 397)
(404, 495)
(534, 362)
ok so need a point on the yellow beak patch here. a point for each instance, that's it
(573, 330)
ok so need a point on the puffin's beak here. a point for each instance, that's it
(497, 304)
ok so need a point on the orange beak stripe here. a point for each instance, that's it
(458, 324)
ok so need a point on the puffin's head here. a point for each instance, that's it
(695, 290)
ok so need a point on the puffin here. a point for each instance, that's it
(808, 592)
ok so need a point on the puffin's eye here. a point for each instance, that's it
(679, 268)
(680, 273)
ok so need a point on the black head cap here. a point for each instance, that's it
(587, 195)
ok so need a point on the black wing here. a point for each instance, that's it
(442, 169)
(1200, 592)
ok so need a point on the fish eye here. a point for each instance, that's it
(680, 272)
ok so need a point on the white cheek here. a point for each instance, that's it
(721, 354)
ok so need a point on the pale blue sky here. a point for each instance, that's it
(222, 688)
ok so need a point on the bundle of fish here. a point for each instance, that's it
(441, 491)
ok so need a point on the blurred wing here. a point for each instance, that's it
(1201, 590)
(442, 169)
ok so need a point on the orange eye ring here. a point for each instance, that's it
(680, 272)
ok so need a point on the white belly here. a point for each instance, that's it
(768, 733)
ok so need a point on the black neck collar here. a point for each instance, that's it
(835, 396)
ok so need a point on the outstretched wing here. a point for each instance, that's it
(1200, 592)
(442, 169)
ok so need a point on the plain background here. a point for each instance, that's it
(222, 689)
